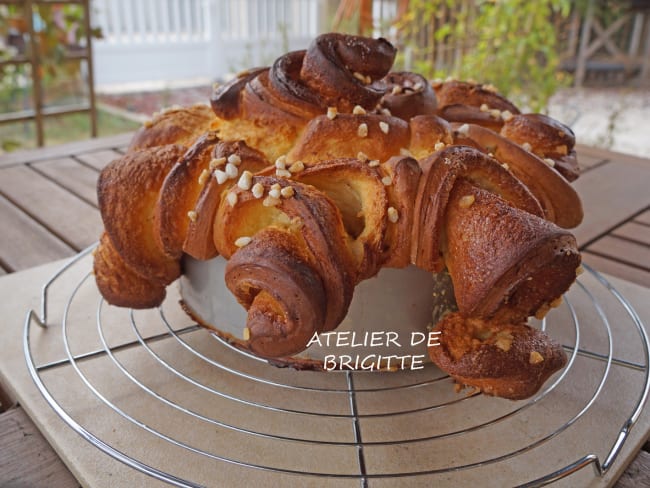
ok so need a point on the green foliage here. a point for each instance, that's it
(512, 44)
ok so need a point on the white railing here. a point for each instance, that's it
(171, 40)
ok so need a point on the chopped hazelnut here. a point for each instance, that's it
(258, 190)
(463, 129)
(331, 113)
(466, 201)
(549, 161)
(216, 162)
(221, 176)
(232, 198)
(358, 110)
(243, 241)
(245, 180)
(234, 159)
(270, 201)
(297, 167)
(192, 215)
(231, 171)
(535, 358)
(393, 215)
(362, 130)
(203, 177)
(287, 192)
(384, 127)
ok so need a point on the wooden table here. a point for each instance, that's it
(48, 208)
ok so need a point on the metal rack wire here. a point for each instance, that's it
(178, 385)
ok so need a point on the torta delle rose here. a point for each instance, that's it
(303, 181)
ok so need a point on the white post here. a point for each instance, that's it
(215, 58)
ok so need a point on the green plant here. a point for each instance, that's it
(512, 44)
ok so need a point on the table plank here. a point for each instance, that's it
(26, 243)
(634, 231)
(72, 175)
(51, 206)
(99, 159)
(616, 268)
(27, 459)
(630, 252)
(64, 150)
(610, 194)
(643, 218)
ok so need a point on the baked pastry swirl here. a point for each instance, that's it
(312, 175)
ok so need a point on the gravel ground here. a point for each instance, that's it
(613, 118)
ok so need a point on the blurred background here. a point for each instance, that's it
(76, 69)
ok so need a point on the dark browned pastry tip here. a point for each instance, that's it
(282, 292)
(341, 69)
(505, 263)
(509, 360)
(407, 95)
(226, 98)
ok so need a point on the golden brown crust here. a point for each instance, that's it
(548, 138)
(179, 193)
(347, 135)
(127, 192)
(199, 238)
(427, 132)
(309, 216)
(509, 360)
(307, 185)
(441, 170)
(175, 125)
(119, 284)
(558, 198)
(460, 101)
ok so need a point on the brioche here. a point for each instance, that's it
(314, 174)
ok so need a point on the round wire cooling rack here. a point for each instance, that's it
(159, 393)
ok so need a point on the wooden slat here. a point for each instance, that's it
(634, 231)
(615, 268)
(25, 243)
(99, 159)
(63, 150)
(643, 218)
(27, 459)
(588, 161)
(623, 250)
(610, 194)
(72, 175)
(71, 219)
